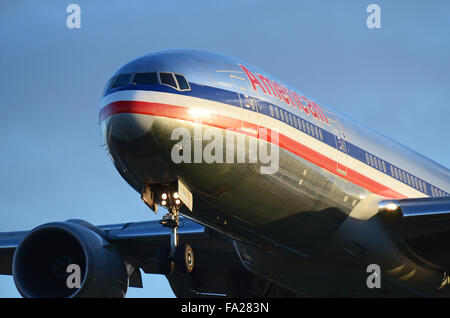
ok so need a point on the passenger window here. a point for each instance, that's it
(182, 83)
(122, 80)
(168, 79)
(145, 78)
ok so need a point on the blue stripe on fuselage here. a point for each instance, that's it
(269, 109)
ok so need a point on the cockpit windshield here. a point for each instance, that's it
(121, 80)
(176, 81)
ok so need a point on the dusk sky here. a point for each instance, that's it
(395, 79)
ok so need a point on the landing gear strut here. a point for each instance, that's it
(172, 221)
(177, 256)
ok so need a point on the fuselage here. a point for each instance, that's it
(327, 162)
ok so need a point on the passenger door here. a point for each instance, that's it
(341, 144)
(249, 111)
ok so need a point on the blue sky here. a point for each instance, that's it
(52, 167)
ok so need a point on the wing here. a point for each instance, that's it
(215, 257)
(138, 244)
(8, 243)
(423, 224)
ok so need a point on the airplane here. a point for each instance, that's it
(188, 130)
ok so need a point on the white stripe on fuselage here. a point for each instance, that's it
(264, 121)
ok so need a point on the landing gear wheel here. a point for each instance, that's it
(166, 264)
(184, 258)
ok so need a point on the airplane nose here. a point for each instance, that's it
(134, 149)
(128, 127)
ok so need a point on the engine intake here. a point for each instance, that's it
(40, 263)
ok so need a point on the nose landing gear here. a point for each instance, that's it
(175, 256)
(181, 257)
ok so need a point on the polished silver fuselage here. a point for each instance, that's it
(293, 220)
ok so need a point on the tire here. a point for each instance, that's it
(184, 258)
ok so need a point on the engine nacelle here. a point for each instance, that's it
(40, 263)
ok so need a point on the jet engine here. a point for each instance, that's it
(68, 259)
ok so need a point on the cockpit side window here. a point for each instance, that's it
(109, 84)
(145, 78)
(168, 79)
(182, 83)
(121, 80)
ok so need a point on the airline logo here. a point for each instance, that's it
(261, 83)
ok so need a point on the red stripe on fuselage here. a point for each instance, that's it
(224, 122)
